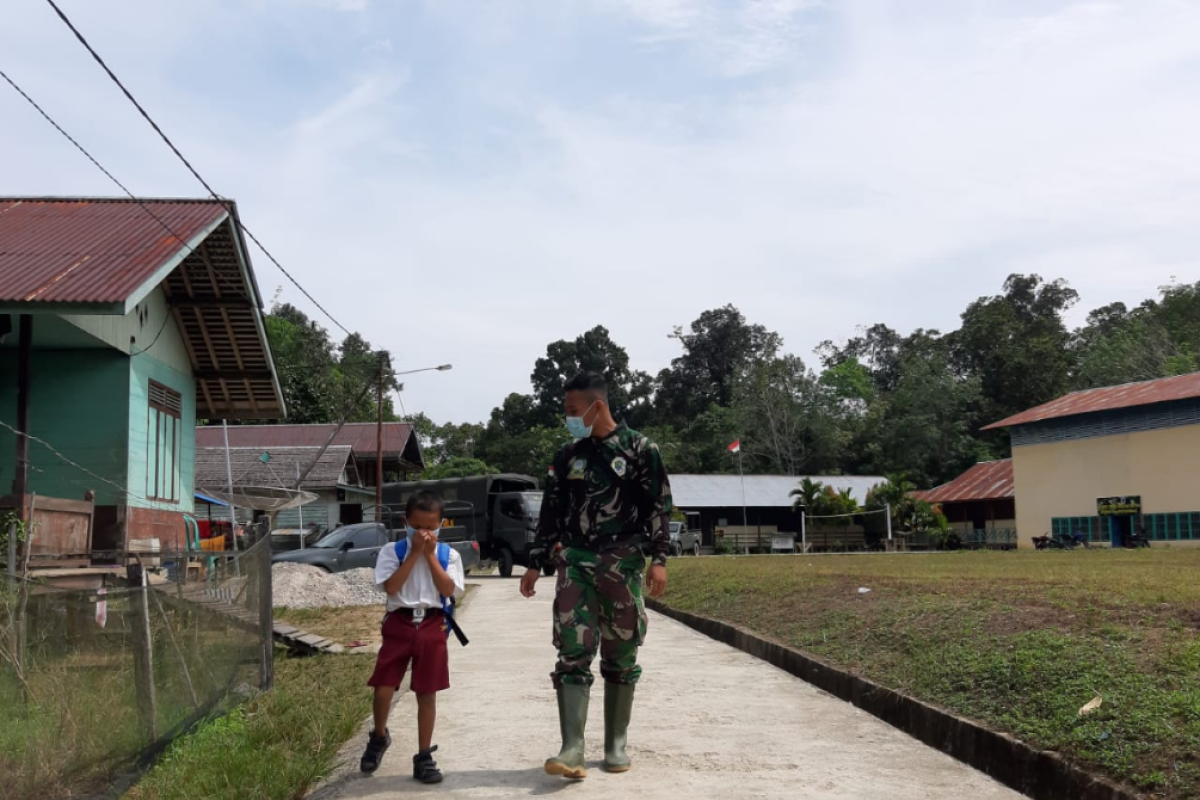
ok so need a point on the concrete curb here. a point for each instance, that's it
(1037, 774)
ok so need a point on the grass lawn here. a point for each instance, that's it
(1020, 641)
(280, 744)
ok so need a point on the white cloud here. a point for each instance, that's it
(740, 38)
(472, 196)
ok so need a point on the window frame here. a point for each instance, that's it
(164, 432)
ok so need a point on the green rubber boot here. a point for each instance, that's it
(618, 707)
(572, 718)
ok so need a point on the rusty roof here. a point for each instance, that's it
(1107, 398)
(398, 441)
(987, 480)
(102, 256)
(59, 250)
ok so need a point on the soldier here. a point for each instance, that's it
(608, 502)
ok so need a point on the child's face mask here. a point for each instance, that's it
(413, 531)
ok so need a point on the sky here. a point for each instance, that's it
(465, 182)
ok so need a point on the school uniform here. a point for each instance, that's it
(415, 628)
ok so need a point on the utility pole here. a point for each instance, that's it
(21, 476)
(379, 447)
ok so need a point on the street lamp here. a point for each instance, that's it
(379, 430)
(440, 368)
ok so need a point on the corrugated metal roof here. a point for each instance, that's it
(91, 251)
(987, 480)
(360, 436)
(762, 491)
(1181, 387)
(280, 472)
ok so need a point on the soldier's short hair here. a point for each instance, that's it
(591, 383)
(423, 500)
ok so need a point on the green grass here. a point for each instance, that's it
(1019, 641)
(275, 746)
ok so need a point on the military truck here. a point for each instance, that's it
(500, 511)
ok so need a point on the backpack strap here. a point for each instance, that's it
(402, 549)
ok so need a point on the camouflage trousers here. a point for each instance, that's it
(598, 606)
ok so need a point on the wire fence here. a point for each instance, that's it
(95, 682)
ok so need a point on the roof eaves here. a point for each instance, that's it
(150, 284)
(252, 283)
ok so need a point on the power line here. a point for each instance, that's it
(144, 206)
(146, 115)
(77, 465)
(91, 158)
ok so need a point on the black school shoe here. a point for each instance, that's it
(425, 768)
(376, 747)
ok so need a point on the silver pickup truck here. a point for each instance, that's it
(684, 540)
(358, 546)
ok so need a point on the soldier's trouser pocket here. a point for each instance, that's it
(622, 619)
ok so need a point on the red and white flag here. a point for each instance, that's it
(736, 447)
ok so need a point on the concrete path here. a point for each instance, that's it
(709, 721)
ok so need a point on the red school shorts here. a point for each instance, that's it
(424, 645)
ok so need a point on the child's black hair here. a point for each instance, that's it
(424, 500)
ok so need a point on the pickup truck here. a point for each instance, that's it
(357, 546)
(684, 540)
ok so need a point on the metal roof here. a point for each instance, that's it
(987, 480)
(104, 256)
(92, 251)
(280, 471)
(1107, 398)
(398, 439)
(762, 491)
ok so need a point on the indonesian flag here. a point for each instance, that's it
(736, 447)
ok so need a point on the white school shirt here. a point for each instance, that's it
(419, 590)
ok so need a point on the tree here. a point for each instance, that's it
(716, 353)
(1017, 344)
(896, 494)
(789, 418)
(807, 494)
(457, 467)
(321, 382)
(592, 351)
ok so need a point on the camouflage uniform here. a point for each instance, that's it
(603, 500)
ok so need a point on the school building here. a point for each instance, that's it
(1110, 461)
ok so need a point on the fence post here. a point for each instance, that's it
(143, 653)
(266, 614)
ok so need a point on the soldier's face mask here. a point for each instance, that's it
(576, 426)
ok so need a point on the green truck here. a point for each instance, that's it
(500, 511)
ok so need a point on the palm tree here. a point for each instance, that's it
(896, 492)
(807, 495)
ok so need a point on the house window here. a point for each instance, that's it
(164, 429)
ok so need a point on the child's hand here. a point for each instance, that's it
(430, 539)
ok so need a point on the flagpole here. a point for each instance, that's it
(745, 522)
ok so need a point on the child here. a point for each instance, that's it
(414, 629)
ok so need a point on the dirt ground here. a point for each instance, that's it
(709, 721)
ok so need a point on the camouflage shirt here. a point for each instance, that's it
(605, 492)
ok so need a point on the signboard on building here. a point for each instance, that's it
(1119, 506)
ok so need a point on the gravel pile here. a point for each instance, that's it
(302, 586)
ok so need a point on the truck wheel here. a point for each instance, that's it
(506, 563)
(696, 548)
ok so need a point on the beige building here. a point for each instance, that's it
(1109, 462)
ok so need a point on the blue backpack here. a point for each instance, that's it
(443, 557)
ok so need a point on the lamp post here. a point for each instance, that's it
(379, 428)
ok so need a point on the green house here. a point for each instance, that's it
(121, 323)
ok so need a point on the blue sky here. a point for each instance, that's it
(468, 181)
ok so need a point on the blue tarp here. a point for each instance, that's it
(211, 500)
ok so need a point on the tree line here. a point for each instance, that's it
(882, 402)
